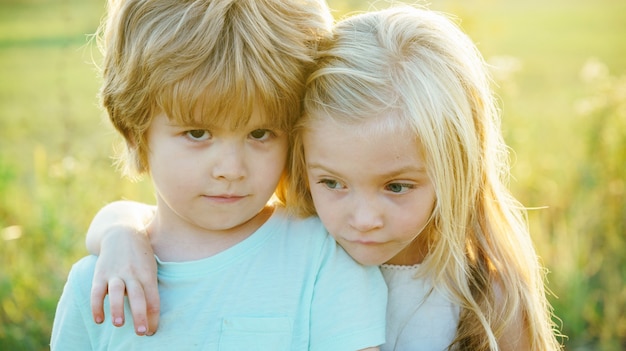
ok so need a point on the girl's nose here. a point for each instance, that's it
(366, 215)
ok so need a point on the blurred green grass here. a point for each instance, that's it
(561, 78)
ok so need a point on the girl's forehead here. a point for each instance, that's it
(384, 123)
(375, 139)
(387, 131)
(370, 151)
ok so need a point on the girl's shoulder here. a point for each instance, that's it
(419, 316)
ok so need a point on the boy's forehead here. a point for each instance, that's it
(208, 111)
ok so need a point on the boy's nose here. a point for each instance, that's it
(230, 164)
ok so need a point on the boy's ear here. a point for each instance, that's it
(131, 143)
(130, 159)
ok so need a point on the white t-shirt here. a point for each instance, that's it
(288, 286)
(419, 318)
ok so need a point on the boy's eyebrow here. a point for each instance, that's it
(183, 124)
(213, 126)
(263, 125)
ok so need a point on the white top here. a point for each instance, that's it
(419, 318)
(288, 286)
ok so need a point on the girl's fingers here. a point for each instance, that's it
(117, 288)
(98, 292)
(137, 302)
(153, 304)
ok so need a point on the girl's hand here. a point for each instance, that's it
(126, 265)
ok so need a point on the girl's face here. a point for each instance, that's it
(370, 188)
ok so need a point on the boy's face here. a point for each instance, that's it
(370, 189)
(214, 179)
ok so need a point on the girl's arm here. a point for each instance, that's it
(126, 265)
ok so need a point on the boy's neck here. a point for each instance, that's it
(174, 240)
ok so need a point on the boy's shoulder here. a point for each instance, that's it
(306, 239)
(85, 266)
(311, 223)
(81, 273)
(299, 229)
(80, 278)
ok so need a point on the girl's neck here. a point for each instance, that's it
(414, 253)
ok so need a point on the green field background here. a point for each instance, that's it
(560, 68)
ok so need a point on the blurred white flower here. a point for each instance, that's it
(11, 232)
(594, 70)
(66, 167)
(504, 67)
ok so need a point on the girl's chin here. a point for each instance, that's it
(367, 257)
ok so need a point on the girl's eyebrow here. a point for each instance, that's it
(407, 169)
(315, 165)
(411, 171)
(395, 173)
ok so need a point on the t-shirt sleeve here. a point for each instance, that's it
(349, 303)
(70, 328)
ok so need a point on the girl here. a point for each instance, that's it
(399, 153)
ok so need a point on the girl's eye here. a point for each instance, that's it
(399, 188)
(198, 134)
(331, 184)
(261, 134)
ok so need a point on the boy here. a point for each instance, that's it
(205, 94)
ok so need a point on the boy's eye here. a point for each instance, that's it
(198, 134)
(331, 184)
(399, 187)
(260, 134)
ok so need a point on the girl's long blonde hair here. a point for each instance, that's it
(420, 65)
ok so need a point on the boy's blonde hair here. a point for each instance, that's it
(215, 58)
(418, 65)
